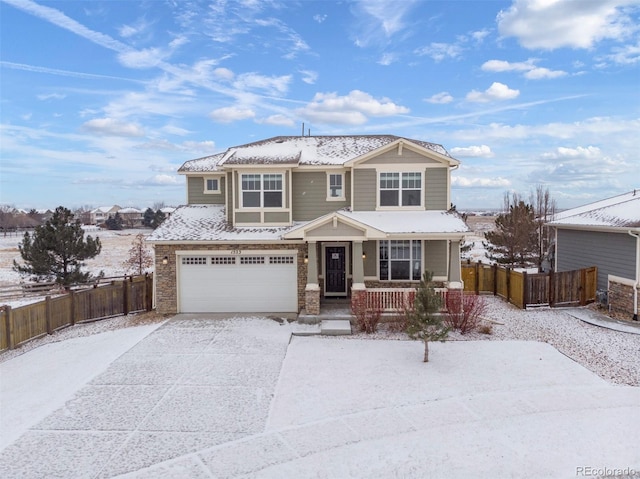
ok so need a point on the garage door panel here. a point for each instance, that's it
(255, 283)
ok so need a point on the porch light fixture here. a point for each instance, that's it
(364, 255)
(306, 258)
(165, 260)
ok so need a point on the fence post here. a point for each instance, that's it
(72, 307)
(525, 290)
(125, 297)
(148, 291)
(477, 278)
(47, 313)
(552, 288)
(508, 281)
(8, 326)
(495, 279)
(583, 287)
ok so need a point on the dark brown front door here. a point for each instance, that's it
(335, 271)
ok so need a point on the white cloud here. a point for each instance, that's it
(276, 120)
(379, 16)
(231, 113)
(480, 35)
(223, 74)
(52, 96)
(175, 130)
(309, 76)
(496, 92)
(440, 51)
(441, 98)
(253, 81)
(163, 180)
(578, 152)
(319, 18)
(112, 127)
(462, 182)
(481, 151)
(147, 58)
(352, 109)
(625, 55)
(127, 31)
(530, 70)
(387, 59)
(551, 24)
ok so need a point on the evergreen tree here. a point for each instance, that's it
(139, 256)
(147, 219)
(57, 250)
(424, 321)
(114, 222)
(514, 241)
(158, 218)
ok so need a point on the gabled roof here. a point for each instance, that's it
(622, 211)
(304, 150)
(200, 223)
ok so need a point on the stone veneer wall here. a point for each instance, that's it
(621, 298)
(166, 278)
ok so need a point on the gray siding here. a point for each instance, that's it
(408, 157)
(612, 253)
(435, 194)
(370, 248)
(365, 185)
(248, 217)
(310, 195)
(230, 190)
(435, 257)
(196, 195)
(276, 217)
(340, 231)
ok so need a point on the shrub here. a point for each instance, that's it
(485, 329)
(367, 311)
(465, 315)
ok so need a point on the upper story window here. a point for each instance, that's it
(335, 186)
(261, 190)
(401, 189)
(212, 185)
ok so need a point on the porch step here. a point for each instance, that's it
(335, 327)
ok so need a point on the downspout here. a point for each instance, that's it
(636, 285)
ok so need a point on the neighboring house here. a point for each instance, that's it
(168, 211)
(131, 217)
(605, 234)
(281, 224)
(103, 213)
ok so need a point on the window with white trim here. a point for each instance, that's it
(212, 185)
(335, 186)
(261, 190)
(400, 260)
(400, 189)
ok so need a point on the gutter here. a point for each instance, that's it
(636, 285)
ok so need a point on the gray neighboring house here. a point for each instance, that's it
(605, 234)
(283, 224)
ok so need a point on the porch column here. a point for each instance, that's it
(357, 265)
(312, 290)
(312, 263)
(455, 274)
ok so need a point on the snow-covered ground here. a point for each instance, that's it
(241, 397)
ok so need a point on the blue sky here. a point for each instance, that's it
(101, 102)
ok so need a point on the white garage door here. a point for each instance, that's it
(252, 282)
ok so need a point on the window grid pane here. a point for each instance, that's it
(212, 184)
(400, 260)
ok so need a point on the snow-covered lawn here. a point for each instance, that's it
(205, 397)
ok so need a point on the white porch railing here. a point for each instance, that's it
(396, 299)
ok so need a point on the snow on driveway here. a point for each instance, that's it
(202, 397)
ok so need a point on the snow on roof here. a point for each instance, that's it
(129, 210)
(302, 150)
(407, 222)
(622, 211)
(105, 209)
(209, 223)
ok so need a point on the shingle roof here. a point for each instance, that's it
(621, 211)
(302, 150)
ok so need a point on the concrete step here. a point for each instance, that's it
(335, 327)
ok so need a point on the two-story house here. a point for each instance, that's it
(279, 224)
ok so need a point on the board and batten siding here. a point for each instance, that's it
(197, 196)
(612, 253)
(310, 195)
(365, 189)
(436, 188)
(407, 157)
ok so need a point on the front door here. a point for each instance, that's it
(335, 271)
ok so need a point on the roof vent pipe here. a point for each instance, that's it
(303, 128)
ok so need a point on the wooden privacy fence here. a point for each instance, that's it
(21, 324)
(557, 288)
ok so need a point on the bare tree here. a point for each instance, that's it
(140, 258)
(544, 208)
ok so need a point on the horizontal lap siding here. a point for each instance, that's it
(612, 253)
(196, 195)
(435, 195)
(310, 195)
(365, 185)
(435, 257)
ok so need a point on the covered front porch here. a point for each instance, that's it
(378, 257)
